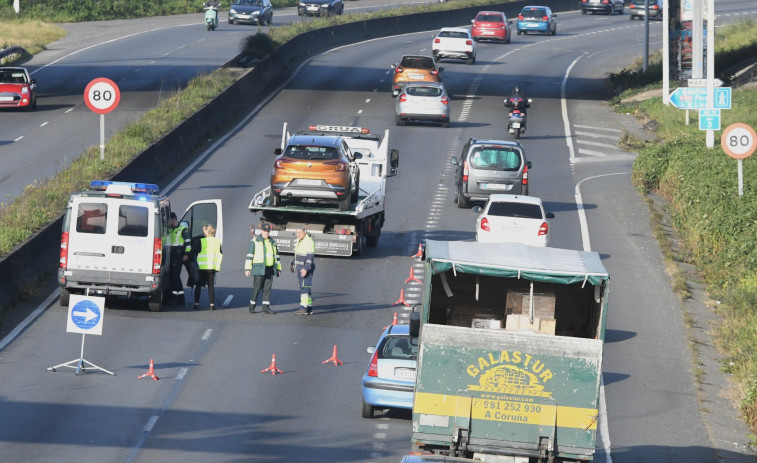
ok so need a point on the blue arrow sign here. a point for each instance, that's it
(696, 98)
(85, 315)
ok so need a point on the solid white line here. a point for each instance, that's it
(564, 110)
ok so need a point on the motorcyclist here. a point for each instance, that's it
(214, 5)
(518, 101)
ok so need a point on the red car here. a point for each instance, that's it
(17, 89)
(491, 25)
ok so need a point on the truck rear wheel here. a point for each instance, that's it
(65, 296)
(367, 410)
(372, 241)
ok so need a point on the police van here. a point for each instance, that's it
(115, 240)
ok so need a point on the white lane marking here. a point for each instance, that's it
(227, 301)
(593, 127)
(207, 334)
(596, 143)
(150, 423)
(137, 70)
(591, 153)
(564, 110)
(182, 373)
(596, 135)
(44, 123)
(360, 111)
(69, 110)
(368, 100)
(19, 138)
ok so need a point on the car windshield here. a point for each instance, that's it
(454, 34)
(489, 18)
(490, 157)
(311, 153)
(511, 209)
(423, 91)
(534, 12)
(12, 76)
(249, 2)
(417, 62)
(399, 348)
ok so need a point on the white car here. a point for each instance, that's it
(455, 43)
(513, 218)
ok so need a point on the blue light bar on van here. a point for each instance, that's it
(148, 188)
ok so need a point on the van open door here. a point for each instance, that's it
(199, 213)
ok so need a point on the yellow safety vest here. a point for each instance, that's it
(210, 257)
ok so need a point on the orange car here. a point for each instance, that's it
(414, 68)
(316, 167)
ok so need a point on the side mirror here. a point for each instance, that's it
(510, 22)
(528, 163)
(415, 324)
(278, 151)
(393, 66)
(554, 16)
(371, 349)
(472, 21)
(441, 69)
(34, 81)
(394, 158)
(550, 215)
(477, 209)
(530, 101)
(357, 156)
(453, 161)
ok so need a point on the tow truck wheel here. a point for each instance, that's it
(65, 296)
(367, 410)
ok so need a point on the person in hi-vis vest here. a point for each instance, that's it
(304, 265)
(262, 263)
(209, 257)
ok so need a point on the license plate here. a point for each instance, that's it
(307, 181)
(516, 125)
(495, 186)
(488, 32)
(407, 373)
(416, 76)
(313, 8)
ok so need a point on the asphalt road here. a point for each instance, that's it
(213, 404)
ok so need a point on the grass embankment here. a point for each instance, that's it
(717, 229)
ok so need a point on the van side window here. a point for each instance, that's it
(91, 218)
(133, 221)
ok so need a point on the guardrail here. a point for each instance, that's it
(39, 255)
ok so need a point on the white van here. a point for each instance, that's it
(115, 240)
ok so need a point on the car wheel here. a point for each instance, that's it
(367, 410)
(520, 32)
(231, 21)
(344, 205)
(398, 121)
(508, 37)
(65, 297)
(583, 11)
(470, 61)
(356, 194)
(445, 124)
(622, 10)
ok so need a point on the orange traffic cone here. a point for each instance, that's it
(272, 368)
(150, 372)
(401, 300)
(418, 254)
(333, 358)
(394, 322)
(412, 277)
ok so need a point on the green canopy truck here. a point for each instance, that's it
(511, 340)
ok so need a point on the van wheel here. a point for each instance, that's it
(65, 296)
(155, 301)
(462, 203)
(367, 410)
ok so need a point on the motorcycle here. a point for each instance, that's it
(211, 17)
(516, 118)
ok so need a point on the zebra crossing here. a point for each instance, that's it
(597, 143)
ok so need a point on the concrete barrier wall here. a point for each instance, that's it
(38, 257)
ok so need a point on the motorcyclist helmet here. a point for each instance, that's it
(516, 91)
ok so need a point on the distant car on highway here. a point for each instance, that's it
(17, 89)
(414, 68)
(603, 6)
(389, 381)
(320, 7)
(454, 43)
(423, 101)
(537, 19)
(491, 25)
(251, 12)
(637, 8)
(513, 219)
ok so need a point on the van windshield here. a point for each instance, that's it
(497, 158)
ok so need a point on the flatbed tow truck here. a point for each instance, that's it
(335, 232)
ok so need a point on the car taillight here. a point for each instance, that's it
(605, 2)
(157, 255)
(437, 40)
(543, 229)
(520, 16)
(373, 366)
(485, 224)
(465, 171)
(469, 42)
(545, 18)
(525, 175)
(632, 6)
(434, 72)
(445, 100)
(399, 70)
(64, 250)
(403, 97)
(654, 7)
(340, 166)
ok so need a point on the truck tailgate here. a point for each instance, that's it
(507, 390)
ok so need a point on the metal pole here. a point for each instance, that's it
(697, 40)
(102, 136)
(710, 137)
(645, 65)
(741, 178)
(665, 54)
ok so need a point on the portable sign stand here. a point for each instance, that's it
(85, 316)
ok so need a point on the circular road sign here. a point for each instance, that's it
(102, 95)
(738, 140)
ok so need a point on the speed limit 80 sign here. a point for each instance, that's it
(738, 140)
(102, 95)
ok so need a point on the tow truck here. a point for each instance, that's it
(335, 232)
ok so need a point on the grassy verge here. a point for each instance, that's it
(31, 34)
(717, 229)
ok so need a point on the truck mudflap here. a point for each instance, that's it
(507, 392)
(325, 244)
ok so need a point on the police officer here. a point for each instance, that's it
(262, 262)
(181, 246)
(304, 265)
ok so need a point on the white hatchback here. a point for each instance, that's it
(514, 219)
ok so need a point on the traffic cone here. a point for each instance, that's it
(333, 358)
(401, 300)
(412, 277)
(418, 254)
(150, 372)
(394, 322)
(272, 368)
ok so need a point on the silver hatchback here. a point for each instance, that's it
(486, 167)
(423, 101)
